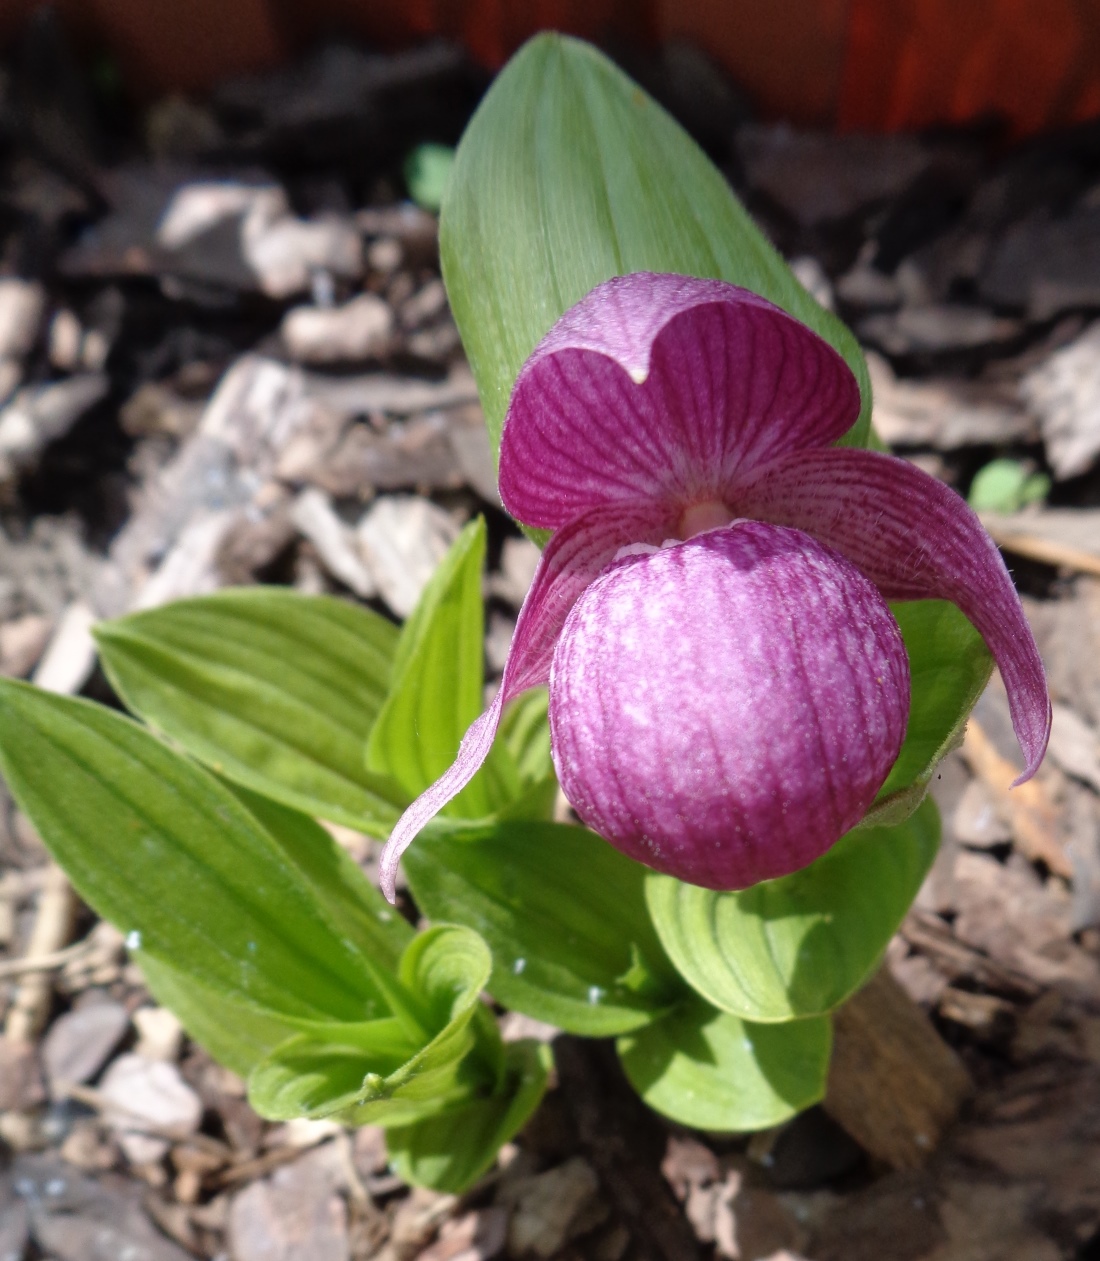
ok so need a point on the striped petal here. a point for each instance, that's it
(915, 539)
(572, 560)
(665, 388)
(725, 709)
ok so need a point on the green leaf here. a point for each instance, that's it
(525, 733)
(427, 170)
(949, 665)
(569, 174)
(708, 1069)
(161, 848)
(436, 692)
(354, 905)
(375, 1071)
(451, 1151)
(235, 1034)
(798, 946)
(1006, 486)
(275, 690)
(564, 915)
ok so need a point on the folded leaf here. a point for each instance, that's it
(275, 690)
(798, 946)
(705, 1068)
(565, 918)
(451, 1151)
(375, 1071)
(161, 848)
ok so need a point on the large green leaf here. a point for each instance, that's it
(377, 1071)
(569, 174)
(237, 1035)
(161, 848)
(564, 915)
(353, 904)
(451, 1151)
(707, 1069)
(436, 691)
(950, 666)
(275, 690)
(800, 945)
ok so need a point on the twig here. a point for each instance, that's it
(52, 926)
(930, 935)
(1048, 551)
(43, 963)
(894, 1084)
(139, 1124)
(1031, 813)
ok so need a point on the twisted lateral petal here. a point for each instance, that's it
(573, 558)
(915, 539)
(725, 709)
(664, 388)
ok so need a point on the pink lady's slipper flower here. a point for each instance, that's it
(728, 688)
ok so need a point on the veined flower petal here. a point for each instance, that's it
(572, 559)
(664, 388)
(725, 709)
(914, 538)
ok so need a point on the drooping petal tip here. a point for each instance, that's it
(571, 560)
(916, 539)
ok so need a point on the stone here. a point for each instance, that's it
(39, 415)
(425, 305)
(945, 414)
(403, 538)
(75, 1218)
(284, 251)
(296, 1214)
(817, 177)
(11, 374)
(548, 1208)
(360, 329)
(937, 329)
(230, 233)
(1074, 746)
(143, 1094)
(1063, 392)
(80, 1042)
(1046, 264)
(519, 558)
(20, 1076)
(977, 819)
(160, 1034)
(814, 279)
(22, 305)
(22, 642)
(336, 543)
(418, 1218)
(64, 341)
(476, 1236)
(155, 408)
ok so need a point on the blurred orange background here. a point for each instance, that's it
(854, 64)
